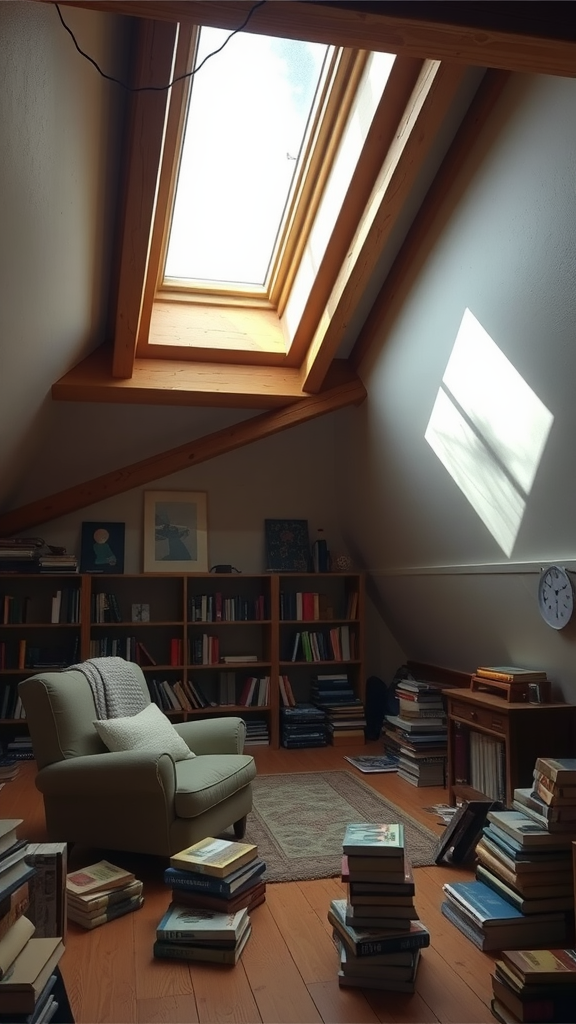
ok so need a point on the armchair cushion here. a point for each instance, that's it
(149, 730)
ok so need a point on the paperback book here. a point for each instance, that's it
(215, 857)
(97, 877)
(190, 924)
(374, 840)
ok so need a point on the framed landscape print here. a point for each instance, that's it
(102, 547)
(175, 531)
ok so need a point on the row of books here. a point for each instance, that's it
(335, 644)
(235, 608)
(309, 606)
(376, 929)
(215, 884)
(22, 655)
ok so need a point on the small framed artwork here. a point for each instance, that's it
(175, 531)
(287, 545)
(102, 548)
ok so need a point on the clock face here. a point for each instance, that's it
(555, 596)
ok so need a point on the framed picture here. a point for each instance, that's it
(102, 548)
(175, 532)
(287, 545)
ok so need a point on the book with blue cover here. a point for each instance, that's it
(487, 907)
(242, 879)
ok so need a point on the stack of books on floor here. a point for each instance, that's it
(19, 748)
(9, 769)
(27, 963)
(376, 928)
(345, 715)
(535, 985)
(100, 893)
(418, 734)
(257, 731)
(527, 864)
(551, 800)
(215, 885)
(303, 725)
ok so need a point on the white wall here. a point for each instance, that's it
(503, 245)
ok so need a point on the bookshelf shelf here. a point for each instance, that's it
(244, 613)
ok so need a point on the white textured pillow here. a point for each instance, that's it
(149, 730)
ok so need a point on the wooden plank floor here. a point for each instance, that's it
(288, 971)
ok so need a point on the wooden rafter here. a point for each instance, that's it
(539, 43)
(350, 392)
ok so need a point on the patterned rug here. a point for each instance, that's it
(298, 823)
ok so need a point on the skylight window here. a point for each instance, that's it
(250, 120)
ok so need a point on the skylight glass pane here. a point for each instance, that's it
(249, 109)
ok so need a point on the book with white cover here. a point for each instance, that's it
(193, 924)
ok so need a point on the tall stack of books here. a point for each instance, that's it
(526, 864)
(215, 884)
(523, 893)
(418, 734)
(376, 929)
(551, 800)
(303, 725)
(27, 962)
(345, 715)
(535, 985)
(101, 892)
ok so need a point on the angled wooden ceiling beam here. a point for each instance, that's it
(435, 91)
(191, 454)
(540, 42)
(179, 382)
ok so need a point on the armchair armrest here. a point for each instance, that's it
(128, 772)
(214, 735)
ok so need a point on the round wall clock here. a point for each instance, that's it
(555, 596)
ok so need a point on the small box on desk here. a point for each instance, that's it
(516, 691)
(47, 908)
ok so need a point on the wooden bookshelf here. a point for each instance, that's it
(523, 731)
(191, 623)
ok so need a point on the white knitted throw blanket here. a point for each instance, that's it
(115, 686)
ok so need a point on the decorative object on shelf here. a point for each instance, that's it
(175, 531)
(140, 613)
(102, 548)
(555, 596)
(342, 563)
(287, 545)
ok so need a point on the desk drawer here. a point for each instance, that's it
(488, 719)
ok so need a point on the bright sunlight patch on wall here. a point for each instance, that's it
(489, 430)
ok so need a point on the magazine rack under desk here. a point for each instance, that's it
(527, 731)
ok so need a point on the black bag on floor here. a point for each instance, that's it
(381, 700)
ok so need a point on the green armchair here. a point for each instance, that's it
(133, 800)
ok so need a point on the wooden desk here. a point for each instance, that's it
(526, 731)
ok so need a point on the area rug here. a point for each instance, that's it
(298, 823)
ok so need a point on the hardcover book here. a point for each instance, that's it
(187, 951)
(250, 898)
(97, 877)
(191, 924)
(368, 839)
(108, 913)
(559, 769)
(549, 929)
(27, 976)
(242, 879)
(511, 673)
(216, 857)
(527, 904)
(542, 966)
(373, 941)
(527, 832)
